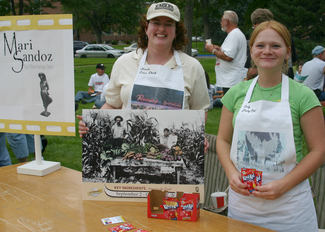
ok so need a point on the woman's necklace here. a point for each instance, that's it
(268, 96)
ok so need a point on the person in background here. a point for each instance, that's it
(258, 16)
(158, 69)
(217, 99)
(298, 77)
(96, 84)
(19, 146)
(211, 90)
(269, 115)
(214, 94)
(299, 67)
(4, 154)
(315, 69)
(101, 101)
(231, 56)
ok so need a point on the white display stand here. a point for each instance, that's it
(38, 167)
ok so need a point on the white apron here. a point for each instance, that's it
(157, 86)
(263, 139)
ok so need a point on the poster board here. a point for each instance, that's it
(37, 76)
(111, 173)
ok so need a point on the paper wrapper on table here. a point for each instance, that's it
(173, 206)
(37, 75)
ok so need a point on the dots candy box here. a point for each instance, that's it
(252, 177)
(181, 206)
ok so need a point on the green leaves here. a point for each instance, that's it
(100, 16)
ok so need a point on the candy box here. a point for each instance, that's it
(180, 206)
(188, 203)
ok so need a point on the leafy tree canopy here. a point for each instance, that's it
(102, 16)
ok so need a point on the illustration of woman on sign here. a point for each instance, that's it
(45, 94)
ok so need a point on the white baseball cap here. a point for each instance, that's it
(163, 9)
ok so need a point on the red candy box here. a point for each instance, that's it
(184, 207)
(252, 177)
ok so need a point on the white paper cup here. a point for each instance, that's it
(219, 199)
(208, 41)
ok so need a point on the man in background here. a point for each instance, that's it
(315, 69)
(231, 56)
(97, 81)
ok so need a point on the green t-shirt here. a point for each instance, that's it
(301, 99)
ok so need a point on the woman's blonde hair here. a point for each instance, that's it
(278, 27)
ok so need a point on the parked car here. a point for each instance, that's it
(194, 52)
(200, 38)
(130, 48)
(134, 46)
(98, 51)
(77, 45)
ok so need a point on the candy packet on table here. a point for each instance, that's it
(170, 205)
(124, 227)
(252, 177)
(112, 220)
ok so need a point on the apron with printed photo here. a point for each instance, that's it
(158, 87)
(263, 139)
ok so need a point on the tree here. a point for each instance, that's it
(188, 20)
(206, 19)
(304, 20)
(4, 8)
(32, 7)
(100, 16)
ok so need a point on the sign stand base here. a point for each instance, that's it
(38, 167)
(35, 169)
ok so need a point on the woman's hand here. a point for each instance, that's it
(236, 184)
(82, 127)
(270, 191)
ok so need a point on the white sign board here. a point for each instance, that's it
(37, 75)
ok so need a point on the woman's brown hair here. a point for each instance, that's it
(179, 42)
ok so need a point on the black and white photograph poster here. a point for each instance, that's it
(37, 75)
(128, 153)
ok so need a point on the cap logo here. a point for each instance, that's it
(164, 6)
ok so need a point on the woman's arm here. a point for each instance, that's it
(312, 124)
(224, 140)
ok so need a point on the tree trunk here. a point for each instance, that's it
(206, 24)
(188, 20)
(12, 3)
(98, 34)
(21, 7)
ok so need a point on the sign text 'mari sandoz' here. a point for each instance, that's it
(23, 52)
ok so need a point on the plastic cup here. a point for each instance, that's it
(208, 41)
(219, 199)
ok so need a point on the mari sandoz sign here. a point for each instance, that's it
(37, 77)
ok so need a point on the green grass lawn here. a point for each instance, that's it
(67, 150)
